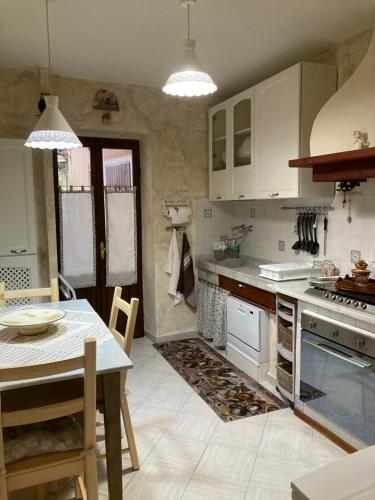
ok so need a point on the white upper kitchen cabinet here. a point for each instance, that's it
(285, 108)
(17, 209)
(253, 135)
(218, 152)
(241, 146)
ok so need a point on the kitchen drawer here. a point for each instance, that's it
(262, 298)
(208, 276)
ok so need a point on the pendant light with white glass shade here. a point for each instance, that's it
(189, 79)
(52, 130)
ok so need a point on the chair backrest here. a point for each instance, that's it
(52, 292)
(85, 404)
(119, 304)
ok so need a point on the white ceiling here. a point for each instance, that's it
(139, 41)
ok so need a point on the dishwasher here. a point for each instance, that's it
(247, 337)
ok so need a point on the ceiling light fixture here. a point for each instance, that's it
(52, 130)
(189, 79)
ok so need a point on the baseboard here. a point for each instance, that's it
(271, 379)
(171, 337)
(326, 432)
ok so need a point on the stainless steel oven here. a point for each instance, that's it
(337, 374)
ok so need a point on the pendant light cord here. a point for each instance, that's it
(49, 51)
(188, 21)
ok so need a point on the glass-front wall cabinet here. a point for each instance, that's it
(219, 140)
(242, 133)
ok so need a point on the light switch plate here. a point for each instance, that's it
(252, 213)
(207, 213)
(355, 255)
(281, 245)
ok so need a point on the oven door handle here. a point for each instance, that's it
(325, 349)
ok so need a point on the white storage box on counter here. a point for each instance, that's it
(248, 337)
(286, 271)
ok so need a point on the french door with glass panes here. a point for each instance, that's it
(98, 213)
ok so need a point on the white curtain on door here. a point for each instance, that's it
(77, 238)
(121, 236)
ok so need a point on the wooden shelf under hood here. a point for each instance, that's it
(356, 165)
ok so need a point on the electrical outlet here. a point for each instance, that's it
(355, 255)
(252, 213)
(281, 246)
(207, 213)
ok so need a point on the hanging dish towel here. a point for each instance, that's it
(173, 269)
(186, 282)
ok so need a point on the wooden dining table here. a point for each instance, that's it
(65, 339)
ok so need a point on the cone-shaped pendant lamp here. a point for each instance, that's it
(52, 130)
(189, 79)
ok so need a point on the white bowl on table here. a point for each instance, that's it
(31, 321)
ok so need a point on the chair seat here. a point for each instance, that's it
(59, 435)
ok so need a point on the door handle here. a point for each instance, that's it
(103, 250)
(337, 355)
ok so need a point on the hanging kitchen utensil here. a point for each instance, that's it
(310, 233)
(349, 218)
(325, 227)
(315, 247)
(304, 232)
(297, 244)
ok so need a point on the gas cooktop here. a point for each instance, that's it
(354, 300)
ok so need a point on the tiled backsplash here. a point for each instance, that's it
(272, 225)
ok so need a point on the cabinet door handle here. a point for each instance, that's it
(240, 285)
(273, 195)
(218, 197)
(18, 251)
(241, 196)
(102, 249)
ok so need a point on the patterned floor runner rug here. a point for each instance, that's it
(227, 390)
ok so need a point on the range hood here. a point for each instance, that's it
(338, 154)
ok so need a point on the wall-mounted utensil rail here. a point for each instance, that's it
(317, 210)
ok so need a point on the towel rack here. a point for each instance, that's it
(177, 227)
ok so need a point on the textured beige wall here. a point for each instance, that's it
(173, 135)
(173, 138)
(346, 55)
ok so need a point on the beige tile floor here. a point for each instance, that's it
(187, 452)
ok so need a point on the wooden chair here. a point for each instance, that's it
(47, 467)
(118, 304)
(52, 292)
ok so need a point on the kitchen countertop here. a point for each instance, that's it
(249, 273)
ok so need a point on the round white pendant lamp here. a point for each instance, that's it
(189, 79)
(52, 130)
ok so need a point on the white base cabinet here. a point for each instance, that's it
(267, 126)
